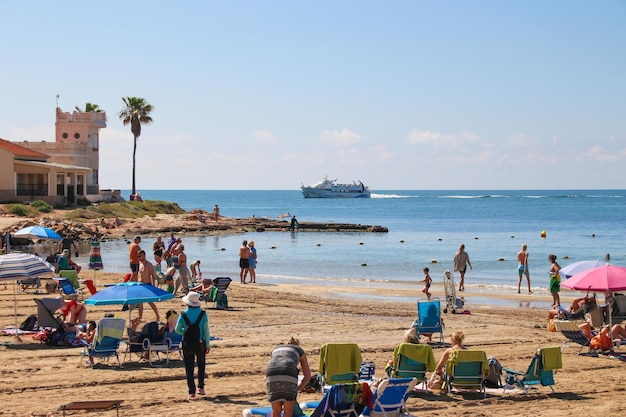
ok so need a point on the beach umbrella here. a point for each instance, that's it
(37, 232)
(580, 266)
(604, 278)
(95, 259)
(17, 266)
(128, 293)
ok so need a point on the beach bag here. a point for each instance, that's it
(493, 379)
(551, 325)
(600, 342)
(191, 338)
(29, 324)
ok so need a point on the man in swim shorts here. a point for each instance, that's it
(522, 268)
(133, 254)
(244, 261)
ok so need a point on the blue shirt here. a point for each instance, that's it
(192, 314)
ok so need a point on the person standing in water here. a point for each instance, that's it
(522, 268)
(461, 260)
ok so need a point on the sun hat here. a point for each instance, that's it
(66, 252)
(192, 299)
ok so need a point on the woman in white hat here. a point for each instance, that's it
(193, 324)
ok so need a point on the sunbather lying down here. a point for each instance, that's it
(618, 333)
(575, 311)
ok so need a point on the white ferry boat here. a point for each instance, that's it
(331, 189)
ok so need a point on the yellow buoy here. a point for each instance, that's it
(544, 233)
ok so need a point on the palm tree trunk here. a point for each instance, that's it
(134, 152)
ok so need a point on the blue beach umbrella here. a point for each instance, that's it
(37, 232)
(128, 293)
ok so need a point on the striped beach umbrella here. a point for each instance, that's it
(16, 266)
(95, 259)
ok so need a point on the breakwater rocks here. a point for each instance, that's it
(186, 224)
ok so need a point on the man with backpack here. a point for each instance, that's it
(193, 324)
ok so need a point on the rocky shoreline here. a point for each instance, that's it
(191, 224)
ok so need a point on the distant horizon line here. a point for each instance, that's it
(381, 190)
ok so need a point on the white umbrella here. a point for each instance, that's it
(580, 266)
(16, 266)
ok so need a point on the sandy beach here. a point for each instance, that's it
(38, 379)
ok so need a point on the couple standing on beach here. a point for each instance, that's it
(247, 261)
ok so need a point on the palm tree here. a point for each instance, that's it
(136, 113)
(89, 107)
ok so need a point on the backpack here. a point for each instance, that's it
(29, 324)
(191, 337)
(495, 373)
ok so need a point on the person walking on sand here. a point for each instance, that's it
(244, 261)
(252, 262)
(427, 282)
(193, 324)
(522, 268)
(146, 275)
(133, 252)
(555, 280)
(461, 260)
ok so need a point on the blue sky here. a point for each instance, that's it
(272, 94)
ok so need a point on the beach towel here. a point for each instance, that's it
(340, 357)
(468, 356)
(114, 329)
(418, 355)
(551, 358)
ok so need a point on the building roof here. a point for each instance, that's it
(21, 152)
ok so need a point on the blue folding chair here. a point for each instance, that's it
(540, 370)
(390, 398)
(109, 333)
(429, 318)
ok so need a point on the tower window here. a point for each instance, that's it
(65, 135)
(76, 135)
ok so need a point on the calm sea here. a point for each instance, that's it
(425, 229)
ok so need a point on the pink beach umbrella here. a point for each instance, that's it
(603, 278)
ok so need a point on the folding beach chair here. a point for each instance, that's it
(339, 363)
(32, 282)
(572, 333)
(466, 370)
(221, 283)
(412, 361)
(429, 318)
(343, 400)
(107, 340)
(540, 370)
(390, 398)
(67, 289)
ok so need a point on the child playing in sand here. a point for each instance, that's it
(427, 281)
